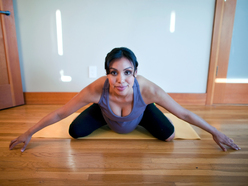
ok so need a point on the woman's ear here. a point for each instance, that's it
(135, 73)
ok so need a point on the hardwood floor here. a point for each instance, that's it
(124, 162)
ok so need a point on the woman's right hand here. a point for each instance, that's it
(24, 138)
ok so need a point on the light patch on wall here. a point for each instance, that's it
(64, 78)
(59, 32)
(225, 80)
(172, 21)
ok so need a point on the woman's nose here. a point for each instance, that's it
(120, 78)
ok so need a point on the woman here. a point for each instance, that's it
(123, 100)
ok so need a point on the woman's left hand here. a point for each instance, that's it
(221, 139)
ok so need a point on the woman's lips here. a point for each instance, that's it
(121, 88)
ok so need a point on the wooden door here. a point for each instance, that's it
(219, 90)
(11, 93)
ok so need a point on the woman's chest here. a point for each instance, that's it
(121, 108)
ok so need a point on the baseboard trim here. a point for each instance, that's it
(60, 98)
(48, 98)
(189, 98)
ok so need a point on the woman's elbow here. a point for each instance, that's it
(185, 115)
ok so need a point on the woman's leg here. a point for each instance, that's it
(157, 123)
(87, 122)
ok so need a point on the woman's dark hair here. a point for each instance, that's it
(118, 53)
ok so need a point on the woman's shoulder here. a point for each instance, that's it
(98, 84)
(147, 88)
(93, 91)
(144, 83)
(141, 80)
(100, 81)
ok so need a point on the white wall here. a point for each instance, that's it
(178, 62)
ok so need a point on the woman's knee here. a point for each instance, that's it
(73, 133)
(171, 137)
(77, 132)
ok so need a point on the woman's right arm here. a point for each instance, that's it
(90, 94)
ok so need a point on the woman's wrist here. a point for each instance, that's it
(214, 131)
(30, 132)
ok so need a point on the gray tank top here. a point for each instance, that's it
(127, 123)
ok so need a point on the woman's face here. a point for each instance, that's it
(121, 76)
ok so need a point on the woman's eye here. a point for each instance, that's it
(113, 73)
(128, 72)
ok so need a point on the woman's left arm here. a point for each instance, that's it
(154, 94)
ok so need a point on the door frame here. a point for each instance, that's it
(11, 53)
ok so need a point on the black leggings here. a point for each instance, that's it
(91, 119)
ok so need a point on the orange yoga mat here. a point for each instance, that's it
(183, 130)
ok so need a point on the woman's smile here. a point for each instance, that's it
(121, 88)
